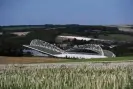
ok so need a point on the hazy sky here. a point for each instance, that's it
(29, 12)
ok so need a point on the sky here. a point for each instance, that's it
(86, 12)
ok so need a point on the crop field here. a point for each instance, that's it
(53, 73)
(64, 77)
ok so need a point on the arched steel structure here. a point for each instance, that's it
(44, 47)
(109, 53)
(93, 47)
(52, 50)
(43, 44)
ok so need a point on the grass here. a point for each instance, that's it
(25, 60)
(117, 37)
(67, 78)
(117, 59)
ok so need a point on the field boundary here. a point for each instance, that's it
(35, 60)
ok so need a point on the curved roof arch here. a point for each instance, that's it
(43, 44)
(93, 47)
(52, 50)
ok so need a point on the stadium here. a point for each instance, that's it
(85, 51)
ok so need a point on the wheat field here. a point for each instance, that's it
(63, 77)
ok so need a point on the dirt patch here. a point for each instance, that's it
(27, 60)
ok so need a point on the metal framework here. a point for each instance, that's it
(50, 49)
(46, 45)
(93, 47)
(109, 53)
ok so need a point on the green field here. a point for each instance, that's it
(117, 37)
(116, 59)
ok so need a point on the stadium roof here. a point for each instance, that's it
(52, 50)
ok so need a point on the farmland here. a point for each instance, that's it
(53, 73)
(67, 77)
(28, 60)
